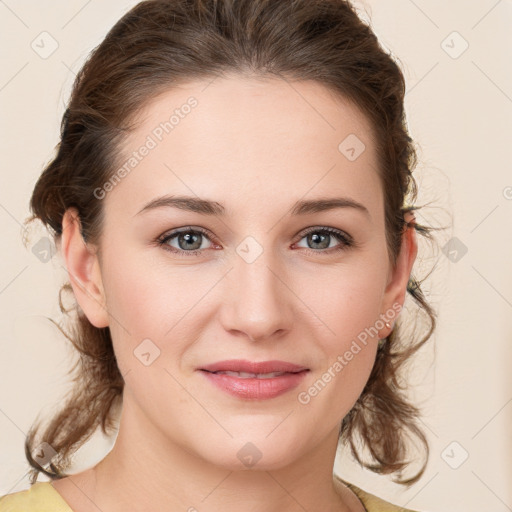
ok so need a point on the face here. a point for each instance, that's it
(251, 275)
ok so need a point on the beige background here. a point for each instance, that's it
(459, 107)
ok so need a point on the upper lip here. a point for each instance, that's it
(241, 365)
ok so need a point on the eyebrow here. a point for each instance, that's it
(206, 207)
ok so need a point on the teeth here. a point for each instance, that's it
(246, 375)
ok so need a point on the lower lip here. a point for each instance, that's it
(255, 389)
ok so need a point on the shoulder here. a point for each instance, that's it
(40, 497)
(371, 502)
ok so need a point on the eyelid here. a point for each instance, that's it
(327, 229)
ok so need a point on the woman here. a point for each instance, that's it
(232, 199)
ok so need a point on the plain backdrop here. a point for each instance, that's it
(456, 57)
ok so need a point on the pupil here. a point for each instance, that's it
(190, 239)
(315, 238)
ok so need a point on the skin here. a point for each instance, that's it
(256, 147)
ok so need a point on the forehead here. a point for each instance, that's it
(240, 136)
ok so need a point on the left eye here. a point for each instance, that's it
(322, 238)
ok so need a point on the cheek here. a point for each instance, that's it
(347, 301)
(348, 307)
(150, 297)
(148, 302)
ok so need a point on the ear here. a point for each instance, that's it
(398, 279)
(83, 267)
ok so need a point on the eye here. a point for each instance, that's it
(321, 238)
(188, 240)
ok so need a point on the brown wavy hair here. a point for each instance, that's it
(159, 44)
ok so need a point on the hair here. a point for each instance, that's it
(159, 44)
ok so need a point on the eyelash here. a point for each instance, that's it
(347, 240)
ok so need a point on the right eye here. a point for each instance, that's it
(189, 241)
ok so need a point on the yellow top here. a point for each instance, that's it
(43, 497)
(370, 502)
(40, 497)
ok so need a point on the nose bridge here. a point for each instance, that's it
(258, 302)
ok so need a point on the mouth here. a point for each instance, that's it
(254, 380)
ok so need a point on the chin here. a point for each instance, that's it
(256, 453)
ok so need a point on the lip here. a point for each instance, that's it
(253, 388)
(242, 365)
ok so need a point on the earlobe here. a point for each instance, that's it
(84, 271)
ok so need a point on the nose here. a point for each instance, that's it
(259, 301)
